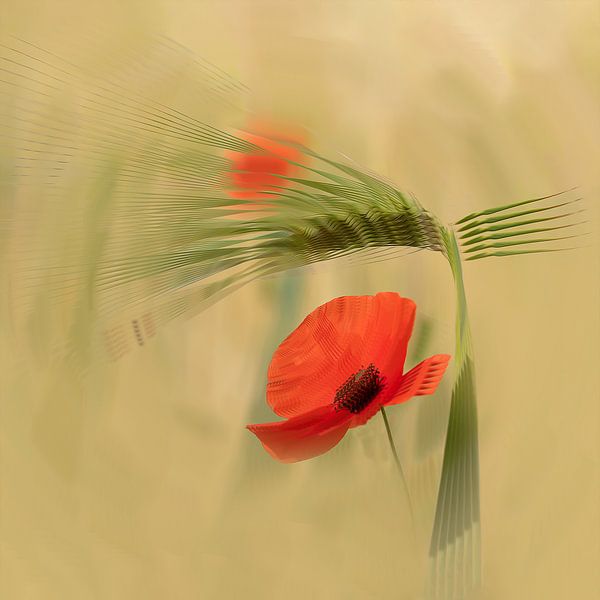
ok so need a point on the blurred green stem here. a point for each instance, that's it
(455, 540)
(399, 466)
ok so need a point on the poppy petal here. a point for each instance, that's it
(254, 173)
(422, 379)
(335, 341)
(385, 345)
(304, 436)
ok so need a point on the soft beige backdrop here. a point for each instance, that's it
(140, 481)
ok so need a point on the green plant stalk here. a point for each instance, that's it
(400, 470)
(455, 549)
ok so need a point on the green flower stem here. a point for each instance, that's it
(399, 467)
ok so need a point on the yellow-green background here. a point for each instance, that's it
(140, 481)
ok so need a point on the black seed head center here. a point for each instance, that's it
(359, 389)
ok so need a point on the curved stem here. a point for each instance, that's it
(455, 548)
(399, 466)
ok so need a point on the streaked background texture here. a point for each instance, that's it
(138, 479)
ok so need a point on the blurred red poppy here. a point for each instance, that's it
(337, 369)
(253, 174)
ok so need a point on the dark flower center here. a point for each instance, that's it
(359, 389)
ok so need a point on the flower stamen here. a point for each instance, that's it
(359, 389)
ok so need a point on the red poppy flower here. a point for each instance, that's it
(337, 369)
(255, 173)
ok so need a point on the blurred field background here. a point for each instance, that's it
(138, 480)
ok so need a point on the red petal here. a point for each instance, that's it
(334, 342)
(422, 379)
(258, 171)
(389, 334)
(304, 436)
